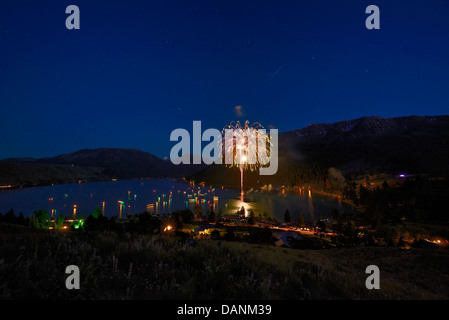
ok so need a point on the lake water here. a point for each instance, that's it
(161, 196)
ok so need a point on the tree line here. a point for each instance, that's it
(418, 199)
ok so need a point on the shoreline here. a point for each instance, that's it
(22, 186)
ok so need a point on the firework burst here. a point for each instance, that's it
(242, 144)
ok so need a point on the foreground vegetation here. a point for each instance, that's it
(149, 257)
(125, 265)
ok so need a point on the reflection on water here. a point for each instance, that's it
(311, 209)
(162, 196)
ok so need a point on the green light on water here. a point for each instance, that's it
(78, 223)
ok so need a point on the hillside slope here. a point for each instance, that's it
(90, 165)
(415, 143)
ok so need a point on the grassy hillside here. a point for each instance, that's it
(131, 266)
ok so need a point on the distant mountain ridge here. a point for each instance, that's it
(373, 126)
(417, 143)
(117, 162)
(412, 144)
(90, 165)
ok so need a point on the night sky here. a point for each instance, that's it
(136, 70)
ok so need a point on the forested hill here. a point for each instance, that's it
(415, 144)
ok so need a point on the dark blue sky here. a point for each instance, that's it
(136, 70)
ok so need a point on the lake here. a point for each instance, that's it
(161, 196)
